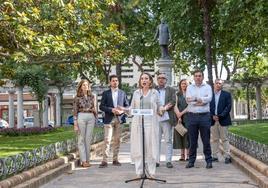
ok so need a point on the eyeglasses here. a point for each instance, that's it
(161, 78)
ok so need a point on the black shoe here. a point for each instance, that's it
(103, 164)
(227, 160)
(215, 159)
(169, 165)
(157, 165)
(189, 165)
(116, 163)
(209, 165)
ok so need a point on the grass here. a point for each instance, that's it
(257, 132)
(14, 145)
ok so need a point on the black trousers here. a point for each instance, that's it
(199, 122)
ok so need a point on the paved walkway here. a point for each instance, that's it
(220, 176)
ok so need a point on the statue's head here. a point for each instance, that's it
(163, 20)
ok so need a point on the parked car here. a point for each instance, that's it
(50, 123)
(70, 120)
(3, 124)
(28, 122)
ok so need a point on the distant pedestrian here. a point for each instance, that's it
(220, 108)
(85, 115)
(198, 97)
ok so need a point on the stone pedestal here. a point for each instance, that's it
(165, 66)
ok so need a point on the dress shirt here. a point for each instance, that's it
(162, 97)
(203, 92)
(217, 97)
(115, 96)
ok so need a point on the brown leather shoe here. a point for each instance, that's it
(116, 163)
(103, 164)
(85, 164)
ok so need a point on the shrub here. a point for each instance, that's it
(25, 131)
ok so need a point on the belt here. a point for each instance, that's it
(198, 113)
(85, 110)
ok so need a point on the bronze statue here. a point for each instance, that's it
(164, 36)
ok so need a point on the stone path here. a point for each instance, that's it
(220, 176)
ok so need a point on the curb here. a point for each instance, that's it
(42, 174)
(36, 171)
(254, 168)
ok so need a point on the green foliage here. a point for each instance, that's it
(254, 71)
(33, 76)
(57, 32)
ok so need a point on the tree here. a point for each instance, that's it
(57, 32)
(36, 78)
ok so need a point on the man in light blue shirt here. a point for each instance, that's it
(167, 120)
(198, 97)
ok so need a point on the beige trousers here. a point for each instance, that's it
(111, 130)
(86, 122)
(219, 133)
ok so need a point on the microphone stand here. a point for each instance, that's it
(144, 176)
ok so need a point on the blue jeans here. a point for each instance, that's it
(199, 123)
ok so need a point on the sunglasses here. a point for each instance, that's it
(161, 78)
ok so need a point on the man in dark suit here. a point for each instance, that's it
(220, 108)
(167, 120)
(111, 99)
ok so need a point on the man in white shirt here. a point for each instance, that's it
(198, 97)
(167, 97)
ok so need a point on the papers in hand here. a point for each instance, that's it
(139, 112)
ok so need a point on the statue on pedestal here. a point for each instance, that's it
(163, 35)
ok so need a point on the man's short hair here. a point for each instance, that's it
(165, 75)
(113, 76)
(218, 79)
(198, 71)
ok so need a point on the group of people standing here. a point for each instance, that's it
(197, 107)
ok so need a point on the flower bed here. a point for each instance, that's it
(25, 131)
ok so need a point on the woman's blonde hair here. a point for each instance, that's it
(79, 92)
(150, 78)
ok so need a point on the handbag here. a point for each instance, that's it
(180, 128)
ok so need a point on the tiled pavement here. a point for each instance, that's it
(220, 176)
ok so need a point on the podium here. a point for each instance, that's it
(144, 176)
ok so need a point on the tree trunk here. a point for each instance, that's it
(140, 68)
(119, 73)
(248, 102)
(214, 61)
(258, 101)
(40, 111)
(207, 37)
(61, 102)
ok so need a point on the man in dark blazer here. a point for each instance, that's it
(111, 99)
(167, 120)
(220, 108)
